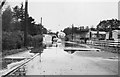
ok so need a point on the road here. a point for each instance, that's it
(56, 61)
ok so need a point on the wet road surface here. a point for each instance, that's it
(56, 61)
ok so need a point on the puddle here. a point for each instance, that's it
(113, 58)
(37, 50)
(74, 45)
(110, 59)
(70, 52)
(107, 59)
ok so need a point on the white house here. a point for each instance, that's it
(115, 35)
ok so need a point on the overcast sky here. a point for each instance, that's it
(59, 14)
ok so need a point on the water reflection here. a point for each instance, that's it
(74, 46)
(70, 52)
(37, 50)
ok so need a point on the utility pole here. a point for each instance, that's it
(98, 31)
(25, 26)
(110, 32)
(72, 31)
(41, 20)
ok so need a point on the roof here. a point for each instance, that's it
(116, 31)
(100, 32)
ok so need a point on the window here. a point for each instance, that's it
(118, 36)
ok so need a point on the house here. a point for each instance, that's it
(115, 35)
(80, 36)
(102, 34)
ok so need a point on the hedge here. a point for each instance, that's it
(15, 40)
(12, 40)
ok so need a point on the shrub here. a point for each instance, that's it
(37, 44)
(15, 40)
(37, 40)
(12, 40)
(29, 40)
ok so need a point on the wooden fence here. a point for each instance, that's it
(105, 43)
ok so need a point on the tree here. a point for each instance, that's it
(109, 25)
(67, 30)
(87, 28)
(6, 19)
(19, 13)
(19, 16)
(44, 30)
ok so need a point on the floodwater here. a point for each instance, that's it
(56, 61)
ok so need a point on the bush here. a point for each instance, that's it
(15, 40)
(12, 40)
(37, 44)
(29, 40)
(37, 40)
(13, 51)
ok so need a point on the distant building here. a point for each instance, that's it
(61, 34)
(115, 35)
(102, 34)
(47, 40)
(80, 36)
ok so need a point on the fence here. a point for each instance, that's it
(104, 43)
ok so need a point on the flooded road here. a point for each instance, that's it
(56, 61)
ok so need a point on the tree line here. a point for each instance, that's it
(105, 25)
(13, 22)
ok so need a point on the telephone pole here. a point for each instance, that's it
(25, 26)
(41, 21)
(72, 31)
(97, 31)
